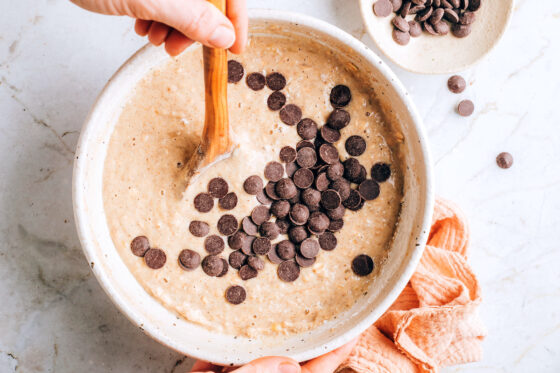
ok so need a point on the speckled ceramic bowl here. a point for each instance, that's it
(177, 333)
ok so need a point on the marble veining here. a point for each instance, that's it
(55, 58)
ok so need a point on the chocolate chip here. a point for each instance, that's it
(269, 230)
(299, 214)
(236, 294)
(352, 168)
(382, 8)
(296, 198)
(405, 9)
(474, 5)
(273, 256)
(342, 186)
(353, 201)
(291, 169)
(203, 202)
(329, 134)
(274, 171)
(451, 16)
(288, 271)
(330, 199)
(401, 38)
(253, 184)
(212, 265)
(276, 101)
(248, 226)
(369, 190)
(355, 145)
(362, 265)
(140, 245)
(256, 81)
(227, 225)
(442, 28)
(283, 225)
(336, 213)
(338, 119)
(461, 31)
(288, 154)
(225, 268)
(328, 153)
(189, 259)
(401, 24)
(260, 214)
(362, 175)
(465, 108)
(340, 95)
(280, 209)
(261, 245)
(311, 197)
(416, 8)
(415, 29)
(465, 4)
(322, 182)
(303, 178)
(297, 234)
(214, 244)
(217, 187)
(199, 228)
(247, 273)
(235, 71)
(275, 81)
(256, 263)
(306, 157)
(327, 241)
(504, 160)
(424, 15)
(380, 172)
(318, 222)
(286, 189)
(304, 262)
(436, 16)
(336, 225)
(396, 5)
(155, 258)
(270, 190)
(304, 144)
(247, 247)
(228, 202)
(429, 28)
(309, 248)
(456, 84)
(237, 259)
(467, 18)
(236, 240)
(335, 171)
(307, 129)
(290, 114)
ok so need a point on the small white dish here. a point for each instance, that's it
(192, 340)
(428, 54)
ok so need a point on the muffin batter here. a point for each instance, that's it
(158, 130)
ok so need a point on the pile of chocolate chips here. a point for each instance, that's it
(436, 17)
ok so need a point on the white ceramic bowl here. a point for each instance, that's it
(193, 340)
(429, 54)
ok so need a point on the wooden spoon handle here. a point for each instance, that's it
(215, 136)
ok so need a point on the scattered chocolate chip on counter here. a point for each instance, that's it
(465, 108)
(456, 84)
(504, 160)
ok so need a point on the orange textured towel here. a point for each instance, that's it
(434, 322)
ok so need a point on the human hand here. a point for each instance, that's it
(275, 364)
(179, 23)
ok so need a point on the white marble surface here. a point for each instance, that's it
(54, 59)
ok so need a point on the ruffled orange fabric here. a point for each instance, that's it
(434, 322)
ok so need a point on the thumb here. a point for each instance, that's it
(271, 364)
(197, 19)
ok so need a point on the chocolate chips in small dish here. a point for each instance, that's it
(436, 17)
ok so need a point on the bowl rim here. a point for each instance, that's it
(105, 279)
(365, 8)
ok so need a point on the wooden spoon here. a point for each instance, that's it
(215, 143)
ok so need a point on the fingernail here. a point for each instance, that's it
(288, 368)
(223, 37)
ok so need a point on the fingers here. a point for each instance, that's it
(142, 26)
(176, 43)
(203, 367)
(198, 20)
(329, 362)
(270, 365)
(157, 33)
(237, 13)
